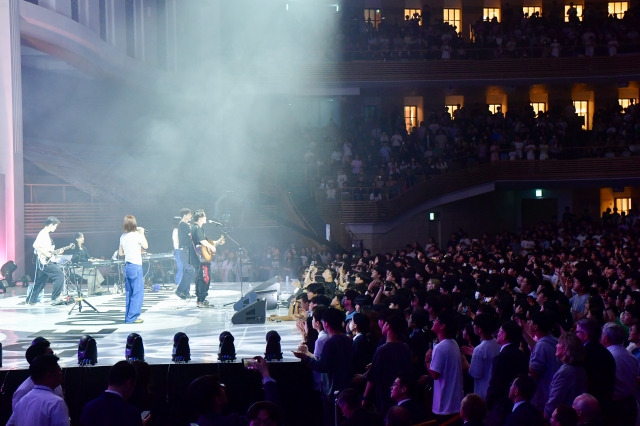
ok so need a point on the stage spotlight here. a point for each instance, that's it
(227, 350)
(135, 349)
(273, 352)
(181, 351)
(87, 351)
(7, 271)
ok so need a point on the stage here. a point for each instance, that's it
(164, 315)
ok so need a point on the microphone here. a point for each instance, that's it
(213, 222)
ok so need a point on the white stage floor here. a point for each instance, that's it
(164, 314)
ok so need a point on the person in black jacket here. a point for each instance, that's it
(523, 413)
(506, 366)
(598, 363)
(111, 408)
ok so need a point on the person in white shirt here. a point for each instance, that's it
(444, 365)
(132, 241)
(40, 346)
(41, 406)
(45, 269)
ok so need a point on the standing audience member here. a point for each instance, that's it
(543, 362)
(390, 360)
(570, 380)
(482, 355)
(335, 360)
(598, 363)
(624, 406)
(510, 362)
(39, 347)
(41, 406)
(111, 408)
(444, 365)
(132, 241)
(523, 413)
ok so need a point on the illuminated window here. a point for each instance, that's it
(495, 108)
(623, 204)
(578, 8)
(413, 13)
(490, 13)
(453, 17)
(451, 109)
(625, 103)
(617, 8)
(582, 110)
(531, 10)
(410, 116)
(539, 107)
(372, 16)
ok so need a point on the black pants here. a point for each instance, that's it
(202, 282)
(52, 272)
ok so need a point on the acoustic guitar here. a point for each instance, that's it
(206, 253)
(45, 258)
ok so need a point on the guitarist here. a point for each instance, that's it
(202, 266)
(45, 269)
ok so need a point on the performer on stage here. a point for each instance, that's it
(176, 250)
(89, 273)
(132, 241)
(45, 269)
(202, 265)
(188, 255)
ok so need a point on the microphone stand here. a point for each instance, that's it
(241, 249)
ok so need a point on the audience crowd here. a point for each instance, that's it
(515, 35)
(527, 328)
(378, 160)
(503, 329)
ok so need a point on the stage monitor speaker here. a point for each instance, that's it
(268, 290)
(270, 295)
(255, 313)
(248, 299)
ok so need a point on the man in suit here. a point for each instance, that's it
(598, 363)
(111, 408)
(506, 366)
(524, 413)
(402, 390)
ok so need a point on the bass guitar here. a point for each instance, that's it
(45, 257)
(206, 253)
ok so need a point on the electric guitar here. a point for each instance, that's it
(206, 253)
(45, 257)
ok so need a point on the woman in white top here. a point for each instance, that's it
(132, 241)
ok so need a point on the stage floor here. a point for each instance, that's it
(164, 314)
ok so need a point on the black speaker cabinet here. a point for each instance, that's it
(255, 313)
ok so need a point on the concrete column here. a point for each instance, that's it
(11, 160)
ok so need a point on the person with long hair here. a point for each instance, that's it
(132, 241)
(571, 379)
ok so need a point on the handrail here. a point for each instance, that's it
(481, 71)
(615, 171)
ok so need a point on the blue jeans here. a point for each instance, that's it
(134, 289)
(188, 273)
(179, 266)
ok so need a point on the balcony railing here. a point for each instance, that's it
(594, 172)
